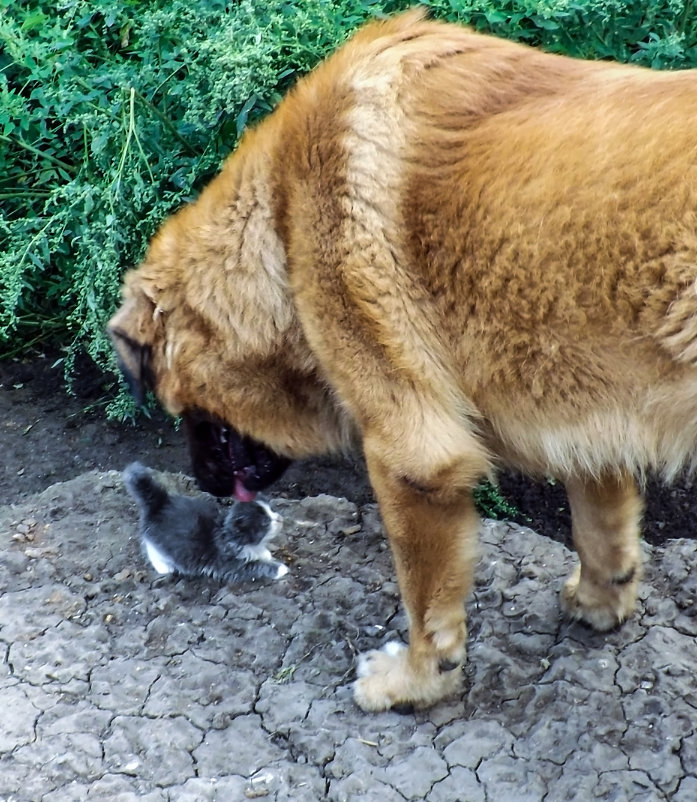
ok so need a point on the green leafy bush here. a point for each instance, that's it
(660, 34)
(114, 113)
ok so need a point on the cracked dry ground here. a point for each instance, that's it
(118, 685)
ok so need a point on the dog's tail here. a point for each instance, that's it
(144, 489)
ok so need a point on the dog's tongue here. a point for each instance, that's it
(241, 492)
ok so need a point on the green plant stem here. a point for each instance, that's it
(23, 346)
(167, 123)
(28, 194)
(132, 133)
(70, 168)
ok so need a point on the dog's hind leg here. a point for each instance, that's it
(605, 526)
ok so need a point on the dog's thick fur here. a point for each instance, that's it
(466, 253)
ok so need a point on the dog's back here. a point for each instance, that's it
(522, 230)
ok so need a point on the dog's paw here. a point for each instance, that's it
(387, 680)
(602, 607)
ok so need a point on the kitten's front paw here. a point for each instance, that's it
(387, 681)
(281, 571)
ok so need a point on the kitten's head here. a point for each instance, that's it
(251, 522)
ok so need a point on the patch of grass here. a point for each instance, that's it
(660, 34)
(491, 503)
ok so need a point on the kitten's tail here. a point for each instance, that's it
(144, 489)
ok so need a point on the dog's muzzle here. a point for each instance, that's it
(226, 463)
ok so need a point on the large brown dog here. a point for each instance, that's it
(460, 252)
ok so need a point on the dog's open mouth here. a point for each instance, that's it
(226, 463)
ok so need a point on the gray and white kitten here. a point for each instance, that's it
(194, 536)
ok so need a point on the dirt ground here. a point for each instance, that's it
(118, 684)
(47, 437)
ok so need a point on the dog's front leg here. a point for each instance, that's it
(432, 530)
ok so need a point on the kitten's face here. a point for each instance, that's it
(252, 522)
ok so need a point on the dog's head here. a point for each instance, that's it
(211, 329)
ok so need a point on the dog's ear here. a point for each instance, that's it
(132, 331)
